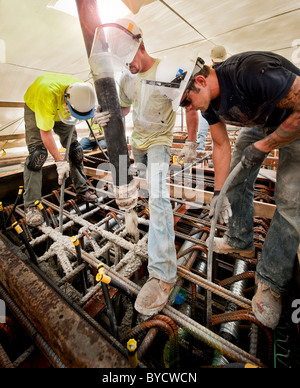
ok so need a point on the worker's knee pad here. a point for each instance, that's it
(76, 153)
(36, 159)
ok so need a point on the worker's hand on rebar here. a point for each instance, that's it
(225, 210)
(188, 153)
(252, 156)
(101, 118)
(63, 169)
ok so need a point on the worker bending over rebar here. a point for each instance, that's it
(260, 92)
(55, 102)
(152, 137)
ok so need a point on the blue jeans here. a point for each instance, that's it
(278, 260)
(88, 144)
(202, 133)
(154, 165)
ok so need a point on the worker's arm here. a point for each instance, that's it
(125, 110)
(289, 130)
(49, 143)
(286, 133)
(192, 123)
(189, 152)
(221, 158)
(221, 153)
(62, 166)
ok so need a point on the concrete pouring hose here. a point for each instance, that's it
(237, 169)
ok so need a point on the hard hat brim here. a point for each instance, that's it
(218, 60)
(81, 116)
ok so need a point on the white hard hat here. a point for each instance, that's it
(115, 45)
(177, 69)
(218, 54)
(81, 100)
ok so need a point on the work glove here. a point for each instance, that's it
(225, 210)
(63, 169)
(126, 196)
(252, 156)
(101, 118)
(188, 153)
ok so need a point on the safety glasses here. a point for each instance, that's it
(198, 67)
(185, 102)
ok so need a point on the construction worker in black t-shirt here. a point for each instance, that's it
(259, 91)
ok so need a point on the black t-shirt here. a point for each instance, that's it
(251, 84)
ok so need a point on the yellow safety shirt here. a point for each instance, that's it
(46, 96)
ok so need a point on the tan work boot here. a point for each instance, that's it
(87, 196)
(267, 305)
(33, 216)
(221, 246)
(153, 296)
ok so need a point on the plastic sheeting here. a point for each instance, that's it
(36, 39)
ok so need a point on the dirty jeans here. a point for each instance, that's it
(279, 251)
(33, 179)
(154, 164)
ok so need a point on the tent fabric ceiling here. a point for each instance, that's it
(136, 5)
(39, 39)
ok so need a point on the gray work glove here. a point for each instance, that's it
(126, 195)
(253, 157)
(63, 169)
(188, 152)
(101, 118)
(225, 210)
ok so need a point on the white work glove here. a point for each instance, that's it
(101, 118)
(188, 152)
(225, 210)
(126, 196)
(63, 169)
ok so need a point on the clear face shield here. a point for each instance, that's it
(72, 121)
(156, 97)
(173, 75)
(114, 47)
(65, 115)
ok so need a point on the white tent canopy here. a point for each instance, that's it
(35, 38)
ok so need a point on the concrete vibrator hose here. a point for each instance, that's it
(62, 190)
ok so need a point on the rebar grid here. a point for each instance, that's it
(132, 257)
